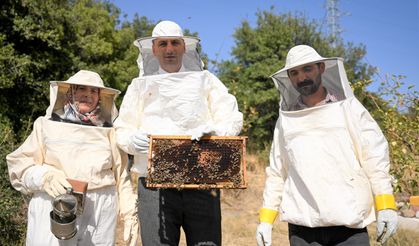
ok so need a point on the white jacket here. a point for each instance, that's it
(328, 161)
(323, 170)
(85, 153)
(81, 152)
(175, 104)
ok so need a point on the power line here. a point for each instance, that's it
(333, 22)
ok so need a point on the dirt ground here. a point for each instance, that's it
(240, 215)
(240, 211)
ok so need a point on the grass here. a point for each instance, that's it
(401, 238)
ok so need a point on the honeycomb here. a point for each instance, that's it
(212, 162)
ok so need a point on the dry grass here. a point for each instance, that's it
(240, 209)
(240, 216)
(401, 238)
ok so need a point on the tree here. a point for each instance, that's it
(261, 51)
(42, 41)
(12, 219)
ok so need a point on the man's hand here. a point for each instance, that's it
(55, 183)
(386, 224)
(141, 142)
(264, 234)
(200, 131)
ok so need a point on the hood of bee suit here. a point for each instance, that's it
(59, 89)
(148, 63)
(333, 79)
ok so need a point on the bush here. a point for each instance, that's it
(396, 111)
(12, 212)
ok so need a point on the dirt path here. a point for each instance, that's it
(240, 215)
(239, 212)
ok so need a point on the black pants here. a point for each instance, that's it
(162, 212)
(332, 235)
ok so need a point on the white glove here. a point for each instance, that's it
(264, 234)
(55, 183)
(200, 131)
(131, 230)
(141, 142)
(386, 224)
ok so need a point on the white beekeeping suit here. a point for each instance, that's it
(56, 150)
(327, 162)
(187, 102)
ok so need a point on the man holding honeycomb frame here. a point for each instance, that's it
(174, 96)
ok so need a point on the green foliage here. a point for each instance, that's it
(12, 221)
(43, 41)
(261, 51)
(398, 118)
(30, 31)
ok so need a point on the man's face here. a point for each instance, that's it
(306, 79)
(169, 52)
(86, 98)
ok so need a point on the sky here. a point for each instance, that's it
(388, 28)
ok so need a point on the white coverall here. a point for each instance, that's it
(81, 152)
(190, 102)
(328, 161)
(175, 104)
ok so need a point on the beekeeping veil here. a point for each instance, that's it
(333, 79)
(149, 64)
(59, 89)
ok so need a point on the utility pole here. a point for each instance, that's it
(333, 25)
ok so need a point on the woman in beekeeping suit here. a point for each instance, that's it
(174, 96)
(329, 159)
(75, 140)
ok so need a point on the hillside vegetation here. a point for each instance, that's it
(43, 41)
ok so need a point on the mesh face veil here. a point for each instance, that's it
(60, 93)
(148, 64)
(333, 78)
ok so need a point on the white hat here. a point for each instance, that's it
(166, 29)
(300, 55)
(88, 78)
(148, 63)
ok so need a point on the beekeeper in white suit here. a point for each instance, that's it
(174, 96)
(329, 160)
(75, 140)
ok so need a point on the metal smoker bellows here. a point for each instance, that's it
(63, 216)
(66, 208)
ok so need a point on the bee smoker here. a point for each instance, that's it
(63, 216)
(66, 208)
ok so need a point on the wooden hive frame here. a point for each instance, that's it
(212, 162)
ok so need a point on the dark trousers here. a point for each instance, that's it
(332, 235)
(162, 212)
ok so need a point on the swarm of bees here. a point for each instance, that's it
(212, 162)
